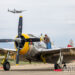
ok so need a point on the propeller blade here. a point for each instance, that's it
(17, 56)
(7, 40)
(20, 26)
(32, 40)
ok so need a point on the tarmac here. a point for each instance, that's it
(36, 69)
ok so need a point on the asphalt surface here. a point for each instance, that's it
(34, 69)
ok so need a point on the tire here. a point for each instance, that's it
(56, 66)
(6, 66)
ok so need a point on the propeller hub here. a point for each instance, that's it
(18, 40)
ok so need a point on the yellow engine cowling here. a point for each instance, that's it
(25, 46)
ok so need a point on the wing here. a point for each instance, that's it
(3, 51)
(57, 50)
(52, 55)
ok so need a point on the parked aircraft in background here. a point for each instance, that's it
(16, 11)
(32, 49)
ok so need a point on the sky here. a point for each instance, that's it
(53, 17)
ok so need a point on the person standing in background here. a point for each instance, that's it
(42, 37)
(71, 44)
(47, 41)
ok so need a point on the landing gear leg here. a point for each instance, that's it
(58, 65)
(5, 63)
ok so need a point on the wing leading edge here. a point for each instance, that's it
(57, 50)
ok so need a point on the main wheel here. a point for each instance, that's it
(56, 66)
(6, 66)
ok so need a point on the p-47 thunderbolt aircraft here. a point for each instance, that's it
(16, 11)
(32, 49)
